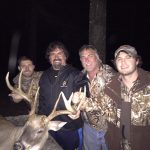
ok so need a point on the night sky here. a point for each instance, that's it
(128, 22)
(27, 27)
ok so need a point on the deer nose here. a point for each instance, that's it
(18, 146)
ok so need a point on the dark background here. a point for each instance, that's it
(27, 27)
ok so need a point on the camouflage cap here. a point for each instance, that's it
(126, 48)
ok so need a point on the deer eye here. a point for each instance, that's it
(40, 131)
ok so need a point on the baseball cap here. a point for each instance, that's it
(126, 48)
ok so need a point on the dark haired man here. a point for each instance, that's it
(129, 92)
(59, 77)
(28, 74)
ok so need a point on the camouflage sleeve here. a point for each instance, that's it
(105, 107)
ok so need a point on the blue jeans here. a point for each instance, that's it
(80, 139)
(93, 139)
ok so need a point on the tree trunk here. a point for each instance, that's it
(97, 26)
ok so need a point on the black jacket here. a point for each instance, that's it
(51, 84)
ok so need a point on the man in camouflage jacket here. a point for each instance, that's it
(29, 79)
(97, 75)
(126, 103)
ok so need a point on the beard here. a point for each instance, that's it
(57, 65)
(27, 73)
(128, 72)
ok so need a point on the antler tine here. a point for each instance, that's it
(8, 83)
(19, 80)
(17, 90)
(55, 113)
(30, 88)
(68, 103)
(84, 93)
(80, 89)
(33, 106)
(70, 110)
(82, 98)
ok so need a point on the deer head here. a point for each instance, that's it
(35, 131)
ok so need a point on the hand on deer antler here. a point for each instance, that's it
(17, 93)
(16, 97)
(79, 99)
(69, 109)
(73, 111)
(75, 116)
(81, 105)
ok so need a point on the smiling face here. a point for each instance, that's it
(57, 58)
(90, 60)
(27, 67)
(126, 64)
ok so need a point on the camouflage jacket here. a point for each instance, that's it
(92, 114)
(138, 110)
(26, 83)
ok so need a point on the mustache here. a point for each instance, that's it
(57, 59)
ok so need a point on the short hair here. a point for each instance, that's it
(86, 46)
(23, 58)
(56, 44)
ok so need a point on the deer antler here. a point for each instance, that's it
(71, 109)
(82, 97)
(68, 103)
(26, 96)
(55, 113)
(33, 106)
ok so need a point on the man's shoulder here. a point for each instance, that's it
(71, 70)
(144, 72)
(108, 69)
(45, 73)
(144, 77)
(37, 74)
(108, 73)
(15, 79)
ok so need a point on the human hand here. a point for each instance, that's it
(77, 97)
(16, 98)
(76, 116)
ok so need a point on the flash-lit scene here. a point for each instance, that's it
(81, 67)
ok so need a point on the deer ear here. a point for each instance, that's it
(55, 125)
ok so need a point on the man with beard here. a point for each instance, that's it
(59, 77)
(26, 65)
(125, 103)
(129, 93)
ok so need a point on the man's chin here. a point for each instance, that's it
(27, 74)
(57, 66)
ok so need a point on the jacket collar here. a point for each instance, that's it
(143, 80)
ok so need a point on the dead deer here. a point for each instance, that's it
(34, 134)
